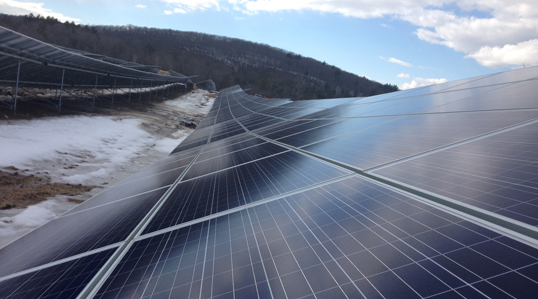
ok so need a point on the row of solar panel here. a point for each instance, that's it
(288, 225)
(35, 63)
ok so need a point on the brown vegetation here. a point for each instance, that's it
(18, 190)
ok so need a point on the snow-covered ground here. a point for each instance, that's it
(197, 102)
(103, 142)
(89, 150)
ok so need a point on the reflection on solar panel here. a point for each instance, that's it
(425, 193)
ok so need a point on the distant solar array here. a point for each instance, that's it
(26, 62)
(424, 193)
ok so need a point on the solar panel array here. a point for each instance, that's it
(424, 193)
(35, 63)
(26, 62)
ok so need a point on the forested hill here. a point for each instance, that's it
(264, 69)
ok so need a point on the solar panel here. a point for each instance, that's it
(424, 193)
(65, 280)
(498, 173)
(413, 135)
(77, 233)
(330, 241)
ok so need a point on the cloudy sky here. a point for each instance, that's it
(409, 43)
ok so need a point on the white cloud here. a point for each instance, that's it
(397, 61)
(22, 8)
(502, 26)
(419, 82)
(168, 12)
(186, 6)
(140, 6)
(500, 23)
(524, 53)
(402, 75)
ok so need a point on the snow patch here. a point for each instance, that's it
(95, 150)
(26, 141)
(196, 102)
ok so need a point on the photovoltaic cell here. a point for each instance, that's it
(302, 135)
(65, 280)
(183, 147)
(256, 122)
(233, 159)
(241, 185)
(132, 188)
(413, 135)
(423, 103)
(522, 96)
(229, 145)
(498, 173)
(77, 233)
(350, 239)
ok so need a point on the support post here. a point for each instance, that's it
(16, 89)
(168, 91)
(130, 86)
(95, 91)
(151, 85)
(113, 91)
(61, 90)
(162, 94)
(140, 92)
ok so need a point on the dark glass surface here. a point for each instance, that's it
(337, 112)
(351, 238)
(282, 130)
(498, 173)
(77, 233)
(499, 78)
(177, 157)
(422, 104)
(227, 134)
(420, 91)
(298, 138)
(329, 103)
(281, 126)
(241, 185)
(158, 170)
(295, 113)
(255, 123)
(412, 135)
(227, 145)
(131, 188)
(65, 280)
(522, 96)
(188, 146)
(228, 160)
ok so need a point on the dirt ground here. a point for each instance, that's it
(19, 190)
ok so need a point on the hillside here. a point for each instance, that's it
(261, 68)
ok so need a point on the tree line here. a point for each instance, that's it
(263, 69)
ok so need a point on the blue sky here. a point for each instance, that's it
(409, 43)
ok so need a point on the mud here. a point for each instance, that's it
(19, 189)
